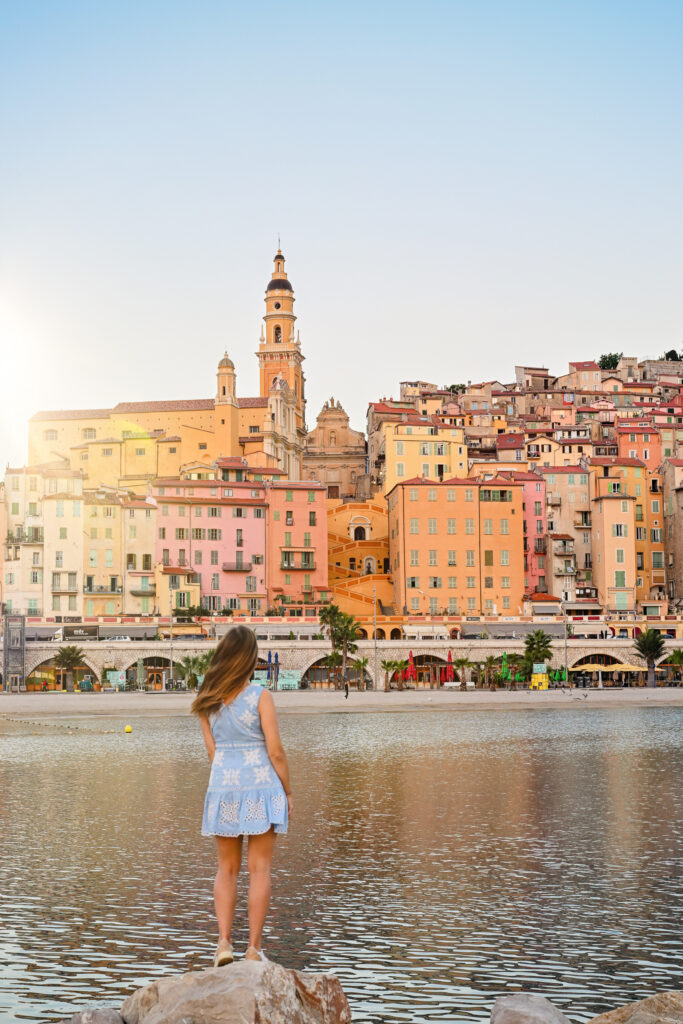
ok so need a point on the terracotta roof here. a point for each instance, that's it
(561, 536)
(636, 428)
(615, 460)
(588, 365)
(519, 475)
(179, 405)
(510, 441)
(253, 403)
(71, 414)
(538, 596)
(231, 460)
(674, 462)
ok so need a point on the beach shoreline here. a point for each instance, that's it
(172, 705)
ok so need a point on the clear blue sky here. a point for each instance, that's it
(459, 187)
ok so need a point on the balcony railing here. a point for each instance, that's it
(102, 588)
(33, 535)
(565, 570)
(64, 588)
(564, 547)
(236, 566)
(554, 499)
(140, 592)
(289, 566)
(539, 545)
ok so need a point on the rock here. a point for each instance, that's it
(243, 993)
(102, 1016)
(526, 1008)
(664, 1008)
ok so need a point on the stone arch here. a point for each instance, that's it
(49, 670)
(362, 634)
(396, 633)
(369, 565)
(596, 658)
(379, 635)
(277, 334)
(359, 533)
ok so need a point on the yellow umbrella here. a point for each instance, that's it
(594, 667)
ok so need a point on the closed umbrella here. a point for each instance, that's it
(449, 669)
(270, 665)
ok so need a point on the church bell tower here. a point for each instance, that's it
(279, 351)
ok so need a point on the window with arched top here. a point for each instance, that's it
(277, 334)
(333, 437)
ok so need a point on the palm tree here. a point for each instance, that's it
(344, 635)
(538, 647)
(400, 665)
(461, 665)
(360, 665)
(490, 667)
(205, 660)
(650, 646)
(189, 668)
(328, 616)
(388, 667)
(514, 663)
(333, 661)
(676, 659)
(68, 659)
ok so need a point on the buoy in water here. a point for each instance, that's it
(128, 728)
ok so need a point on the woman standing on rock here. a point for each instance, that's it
(249, 792)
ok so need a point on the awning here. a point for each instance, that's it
(594, 667)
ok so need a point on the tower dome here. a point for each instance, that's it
(226, 363)
(279, 280)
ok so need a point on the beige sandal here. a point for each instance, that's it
(224, 954)
(253, 953)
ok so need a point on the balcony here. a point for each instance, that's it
(564, 547)
(582, 524)
(292, 567)
(554, 499)
(236, 566)
(102, 588)
(32, 535)
(65, 588)
(141, 592)
(565, 570)
(539, 545)
(531, 454)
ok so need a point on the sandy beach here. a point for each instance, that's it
(139, 705)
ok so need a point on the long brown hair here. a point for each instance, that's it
(233, 662)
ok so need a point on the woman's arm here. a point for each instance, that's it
(208, 736)
(276, 753)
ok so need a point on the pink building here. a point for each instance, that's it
(535, 528)
(217, 529)
(296, 560)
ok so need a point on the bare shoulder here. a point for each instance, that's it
(265, 701)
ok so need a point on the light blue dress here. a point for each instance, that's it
(245, 796)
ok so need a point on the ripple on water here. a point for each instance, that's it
(434, 863)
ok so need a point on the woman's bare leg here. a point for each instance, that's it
(259, 856)
(225, 886)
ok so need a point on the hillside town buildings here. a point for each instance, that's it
(471, 499)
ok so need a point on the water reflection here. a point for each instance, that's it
(435, 860)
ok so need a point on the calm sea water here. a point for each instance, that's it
(436, 861)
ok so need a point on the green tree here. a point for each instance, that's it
(333, 661)
(360, 665)
(490, 669)
(68, 659)
(537, 647)
(400, 665)
(671, 356)
(676, 659)
(650, 646)
(388, 667)
(456, 388)
(461, 665)
(189, 668)
(610, 360)
(514, 665)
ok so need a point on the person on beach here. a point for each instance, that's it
(249, 792)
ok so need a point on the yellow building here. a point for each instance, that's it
(416, 449)
(134, 442)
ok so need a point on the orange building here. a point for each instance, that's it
(457, 547)
(640, 441)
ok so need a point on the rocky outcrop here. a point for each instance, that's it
(243, 993)
(664, 1008)
(526, 1008)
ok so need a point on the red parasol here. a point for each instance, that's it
(451, 672)
(443, 675)
(412, 671)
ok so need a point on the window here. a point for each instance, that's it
(469, 526)
(620, 578)
(400, 469)
(504, 557)
(414, 557)
(400, 448)
(93, 558)
(214, 534)
(198, 558)
(412, 582)
(619, 530)
(471, 604)
(452, 558)
(488, 526)
(141, 451)
(414, 526)
(505, 582)
(50, 435)
(107, 453)
(620, 555)
(132, 532)
(288, 539)
(214, 512)
(431, 526)
(452, 582)
(470, 582)
(505, 527)
(488, 582)
(311, 496)
(435, 582)
(215, 581)
(431, 494)
(657, 559)
(162, 533)
(450, 494)
(506, 603)
(412, 494)
(214, 558)
(109, 558)
(655, 506)
(62, 532)
(307, 540)
(452, 605)
(59, 509)
(488, 557)
(433, 557)
(470, 558)
(311, 518)
(469, 494)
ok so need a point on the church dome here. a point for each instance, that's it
(280, 284)
(226, 363)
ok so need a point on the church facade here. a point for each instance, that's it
(135, 442)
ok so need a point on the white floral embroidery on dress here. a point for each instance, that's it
(229, 812)
(231, 777)
(252, 699)
(211, 809)
(248, 717)
(218, 757)
(278, 803)
(262, 774)
(255, 809)
(252, 756)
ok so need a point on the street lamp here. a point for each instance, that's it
(563, 606)
(170, 632)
